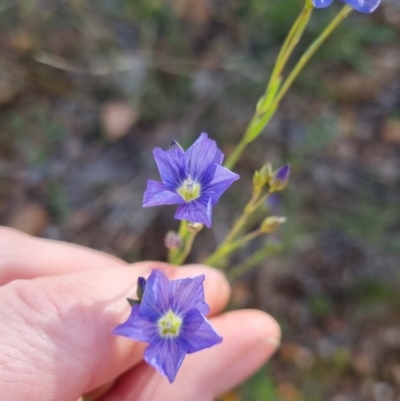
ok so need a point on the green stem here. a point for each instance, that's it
(261, 201)
(344, 13)
(237, 152)
(288, 46)
(225, 247)
(291, 41)
(239, 224)
(214, 258)
(180, 259)
(258, 123)
(173, 254)
(242, 268)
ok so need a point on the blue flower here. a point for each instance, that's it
(171, 318)
(363, 6)
(194, 180)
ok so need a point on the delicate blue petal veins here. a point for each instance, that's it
(194, 179)
(363, 6)
(171, 319)
(199, 333)
(166, 356)
(137, 327)
(196, 212)
(221, 180)
(158, 194)
(170, 165)
(200, 155)
(156, 297)
(322, 3)
(188, 294)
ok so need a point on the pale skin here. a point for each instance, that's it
(58, 304)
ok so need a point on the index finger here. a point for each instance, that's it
(26, 257)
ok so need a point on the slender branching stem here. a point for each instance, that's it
(173, 254)
(215, 258)
(230, 244)
(260, 121)
(180, 259)
(256, 258)
(312, 49)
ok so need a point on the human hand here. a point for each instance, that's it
(58, 305)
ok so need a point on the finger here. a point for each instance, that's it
(55, 332)
(250, 338)
(24, 257)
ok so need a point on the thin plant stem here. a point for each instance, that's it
(227, 249)
(312, 49)
(291, 41)
(242, 268)
(257, 123)
(237, 152)
(180, 259)
(288, 46)
(173, 254)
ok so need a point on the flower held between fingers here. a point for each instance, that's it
(194, 180)
(171, 318)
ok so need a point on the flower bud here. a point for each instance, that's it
(271, 224)
(261, 177)
(172, 240)
(279, 179)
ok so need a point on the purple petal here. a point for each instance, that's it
(200, 155)
(187, 294)
(322, 3)
(221, 181)
(198, 332)
(363, 6)
(158, 194)
(283, 173)
(156, 300)
(166, 355)
(196, 211)
(170, 164)
(137, 328)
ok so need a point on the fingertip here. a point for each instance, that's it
(251, 337)
(263, 326)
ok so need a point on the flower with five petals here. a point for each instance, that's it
(170, 316)
(193, 179)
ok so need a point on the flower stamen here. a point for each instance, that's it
(189, 190)
(169, 325)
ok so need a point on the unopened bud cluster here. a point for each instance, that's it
(277, 180)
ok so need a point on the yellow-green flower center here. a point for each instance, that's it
(189, 190)
(169, 325)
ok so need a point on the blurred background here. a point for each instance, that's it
(89, 88)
